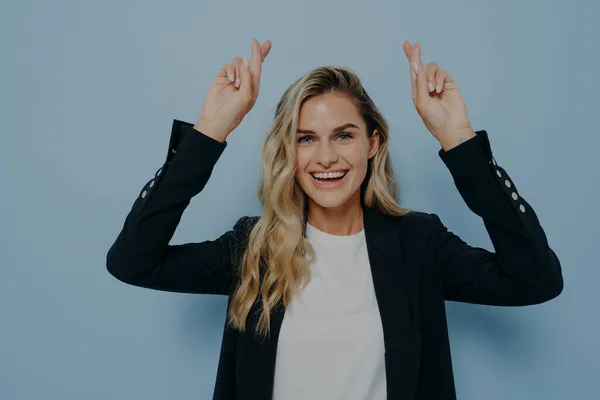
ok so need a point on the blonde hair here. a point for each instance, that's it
(278, 237)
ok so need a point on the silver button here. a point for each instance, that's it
(507, 183)
(151, 183)
(522, 208)
(498, 173)
(514, 196)
(173, 151)
(144, 194)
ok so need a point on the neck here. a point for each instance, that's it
(346, 219)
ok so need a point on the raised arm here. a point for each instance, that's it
(141, 254)
(523, 270)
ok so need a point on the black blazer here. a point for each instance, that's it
(416, 265)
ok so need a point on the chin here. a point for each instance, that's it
(329, 201)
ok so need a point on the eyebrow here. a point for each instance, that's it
(338, 129)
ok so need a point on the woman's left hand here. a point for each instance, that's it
(438, 100)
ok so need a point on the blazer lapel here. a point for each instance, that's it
(255, 369)
(396, 287)
(391, 278)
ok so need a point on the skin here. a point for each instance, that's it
(337, 211)
(435, 96)
(333, 210)
(437, 100)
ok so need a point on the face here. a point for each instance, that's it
(332, 151)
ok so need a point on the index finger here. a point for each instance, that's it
(259, 53)
(408, 49)
(413, 53)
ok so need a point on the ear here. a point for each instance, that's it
(374, 143)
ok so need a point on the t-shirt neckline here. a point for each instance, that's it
(312, 233)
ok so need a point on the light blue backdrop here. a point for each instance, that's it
(88, 94)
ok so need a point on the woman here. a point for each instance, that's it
(335, 292)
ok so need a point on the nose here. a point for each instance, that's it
(326, 154)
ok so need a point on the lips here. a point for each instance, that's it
(330, 175)
(329, 183)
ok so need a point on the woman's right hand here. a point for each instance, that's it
(232, 94)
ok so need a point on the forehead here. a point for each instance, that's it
(327, 111)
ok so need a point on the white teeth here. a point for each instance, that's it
(329, 175)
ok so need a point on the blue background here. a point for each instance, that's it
(88, 94)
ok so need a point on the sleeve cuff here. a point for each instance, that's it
(188, 145)
(471, 159)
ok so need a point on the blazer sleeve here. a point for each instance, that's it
(523, 270)
(141, 254)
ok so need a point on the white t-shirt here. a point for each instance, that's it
(331, 341)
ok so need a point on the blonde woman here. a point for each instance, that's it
(336, 291)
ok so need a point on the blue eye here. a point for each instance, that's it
(300, 140)
(347, 135)
(344, 137)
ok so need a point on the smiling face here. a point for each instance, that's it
(332, 151)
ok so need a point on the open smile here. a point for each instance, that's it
(329, 179)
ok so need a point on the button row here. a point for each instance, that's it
(151, 183)
(514, 195)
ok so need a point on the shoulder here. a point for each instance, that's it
(420, 226)
(240, 234)
(244, 225)
(418, 220)
(246, 222)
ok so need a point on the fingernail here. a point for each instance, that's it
(245, 63)
(237, 81)
(431, 87)
(438, 88)
(230, 77)
(416, 68)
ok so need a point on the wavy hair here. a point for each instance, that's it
(277, 241)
